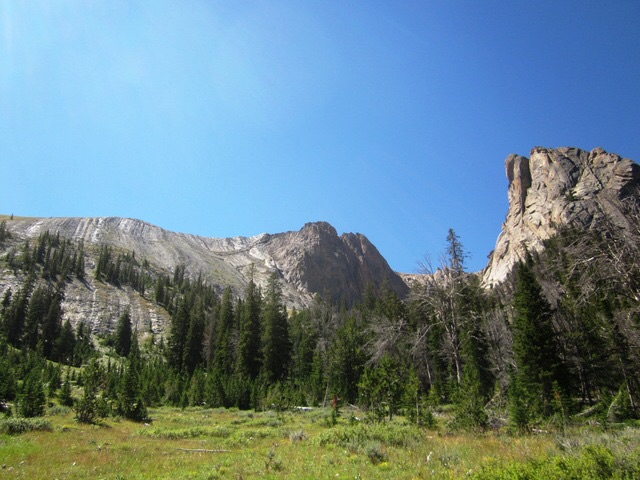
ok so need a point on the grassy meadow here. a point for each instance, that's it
(198, 443)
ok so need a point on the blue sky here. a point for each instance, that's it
(225, 118)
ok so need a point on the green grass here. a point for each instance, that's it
(208, 444)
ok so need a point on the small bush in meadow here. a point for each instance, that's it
(297, 436)
(375, 453)
(16, 425)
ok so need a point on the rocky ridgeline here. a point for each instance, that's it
(554, 188)
(312, 261)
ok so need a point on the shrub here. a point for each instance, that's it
(297, 436)
(375, 452)
(16, 426)
(359, 436)
(594, 462)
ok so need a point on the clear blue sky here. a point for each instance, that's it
(225, 118)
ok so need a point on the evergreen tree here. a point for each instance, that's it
(36, 312)
(79, 266)
(304, 339)
(249, 358)
(16, 313)
(521, 405)
(130, 402)
(276, 344)
(455, 252)
(52, 323)
(223, 351)
(8, 384)
(381, 387)
(534, 340)
(178, 334)
(124, 334)
(65, 344)
(84, 348)
(192, 355)
(6, 302)
(66, 398)
(87, 408)
(32, 400)
(469, 401)
(346, 361)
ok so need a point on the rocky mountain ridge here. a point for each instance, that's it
(554, 189)
(311, 261)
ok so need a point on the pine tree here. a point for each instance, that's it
(65, 344)
(276, 344)
(130, 402)
(84, 348)
(178, 334)
(8, 384)
(79, 267)
(192, 354)
(87, 407)
(32, 400)
(534, 339)
(124, 333)
(52, 323)
(249, 357)
(66, 398)
(346, 361)
(38, 307)
(469, 401)
(223, 353)
(381, 387)
(521, 405)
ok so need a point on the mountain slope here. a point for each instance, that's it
(314, 260)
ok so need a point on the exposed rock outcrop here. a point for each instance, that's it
(554, 188)
(317, 260)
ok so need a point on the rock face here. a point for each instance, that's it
(314, 260)
(317, 260)
(554, 188)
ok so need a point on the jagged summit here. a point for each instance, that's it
(555, 188)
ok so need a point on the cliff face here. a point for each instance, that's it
(317, 260)
(314, 260)
(554, 188)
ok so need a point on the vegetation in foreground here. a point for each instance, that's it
(201, 443)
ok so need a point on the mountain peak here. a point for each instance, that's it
(320, 228)
(556, 188)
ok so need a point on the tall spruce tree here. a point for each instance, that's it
(534, 340)
(223, 353)
(32, 400)
(346, 361)
(192, 355)
(124, 332)
(249, 359)
(276, 344)
(52, 324)
(130, 402)
(178, 334)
